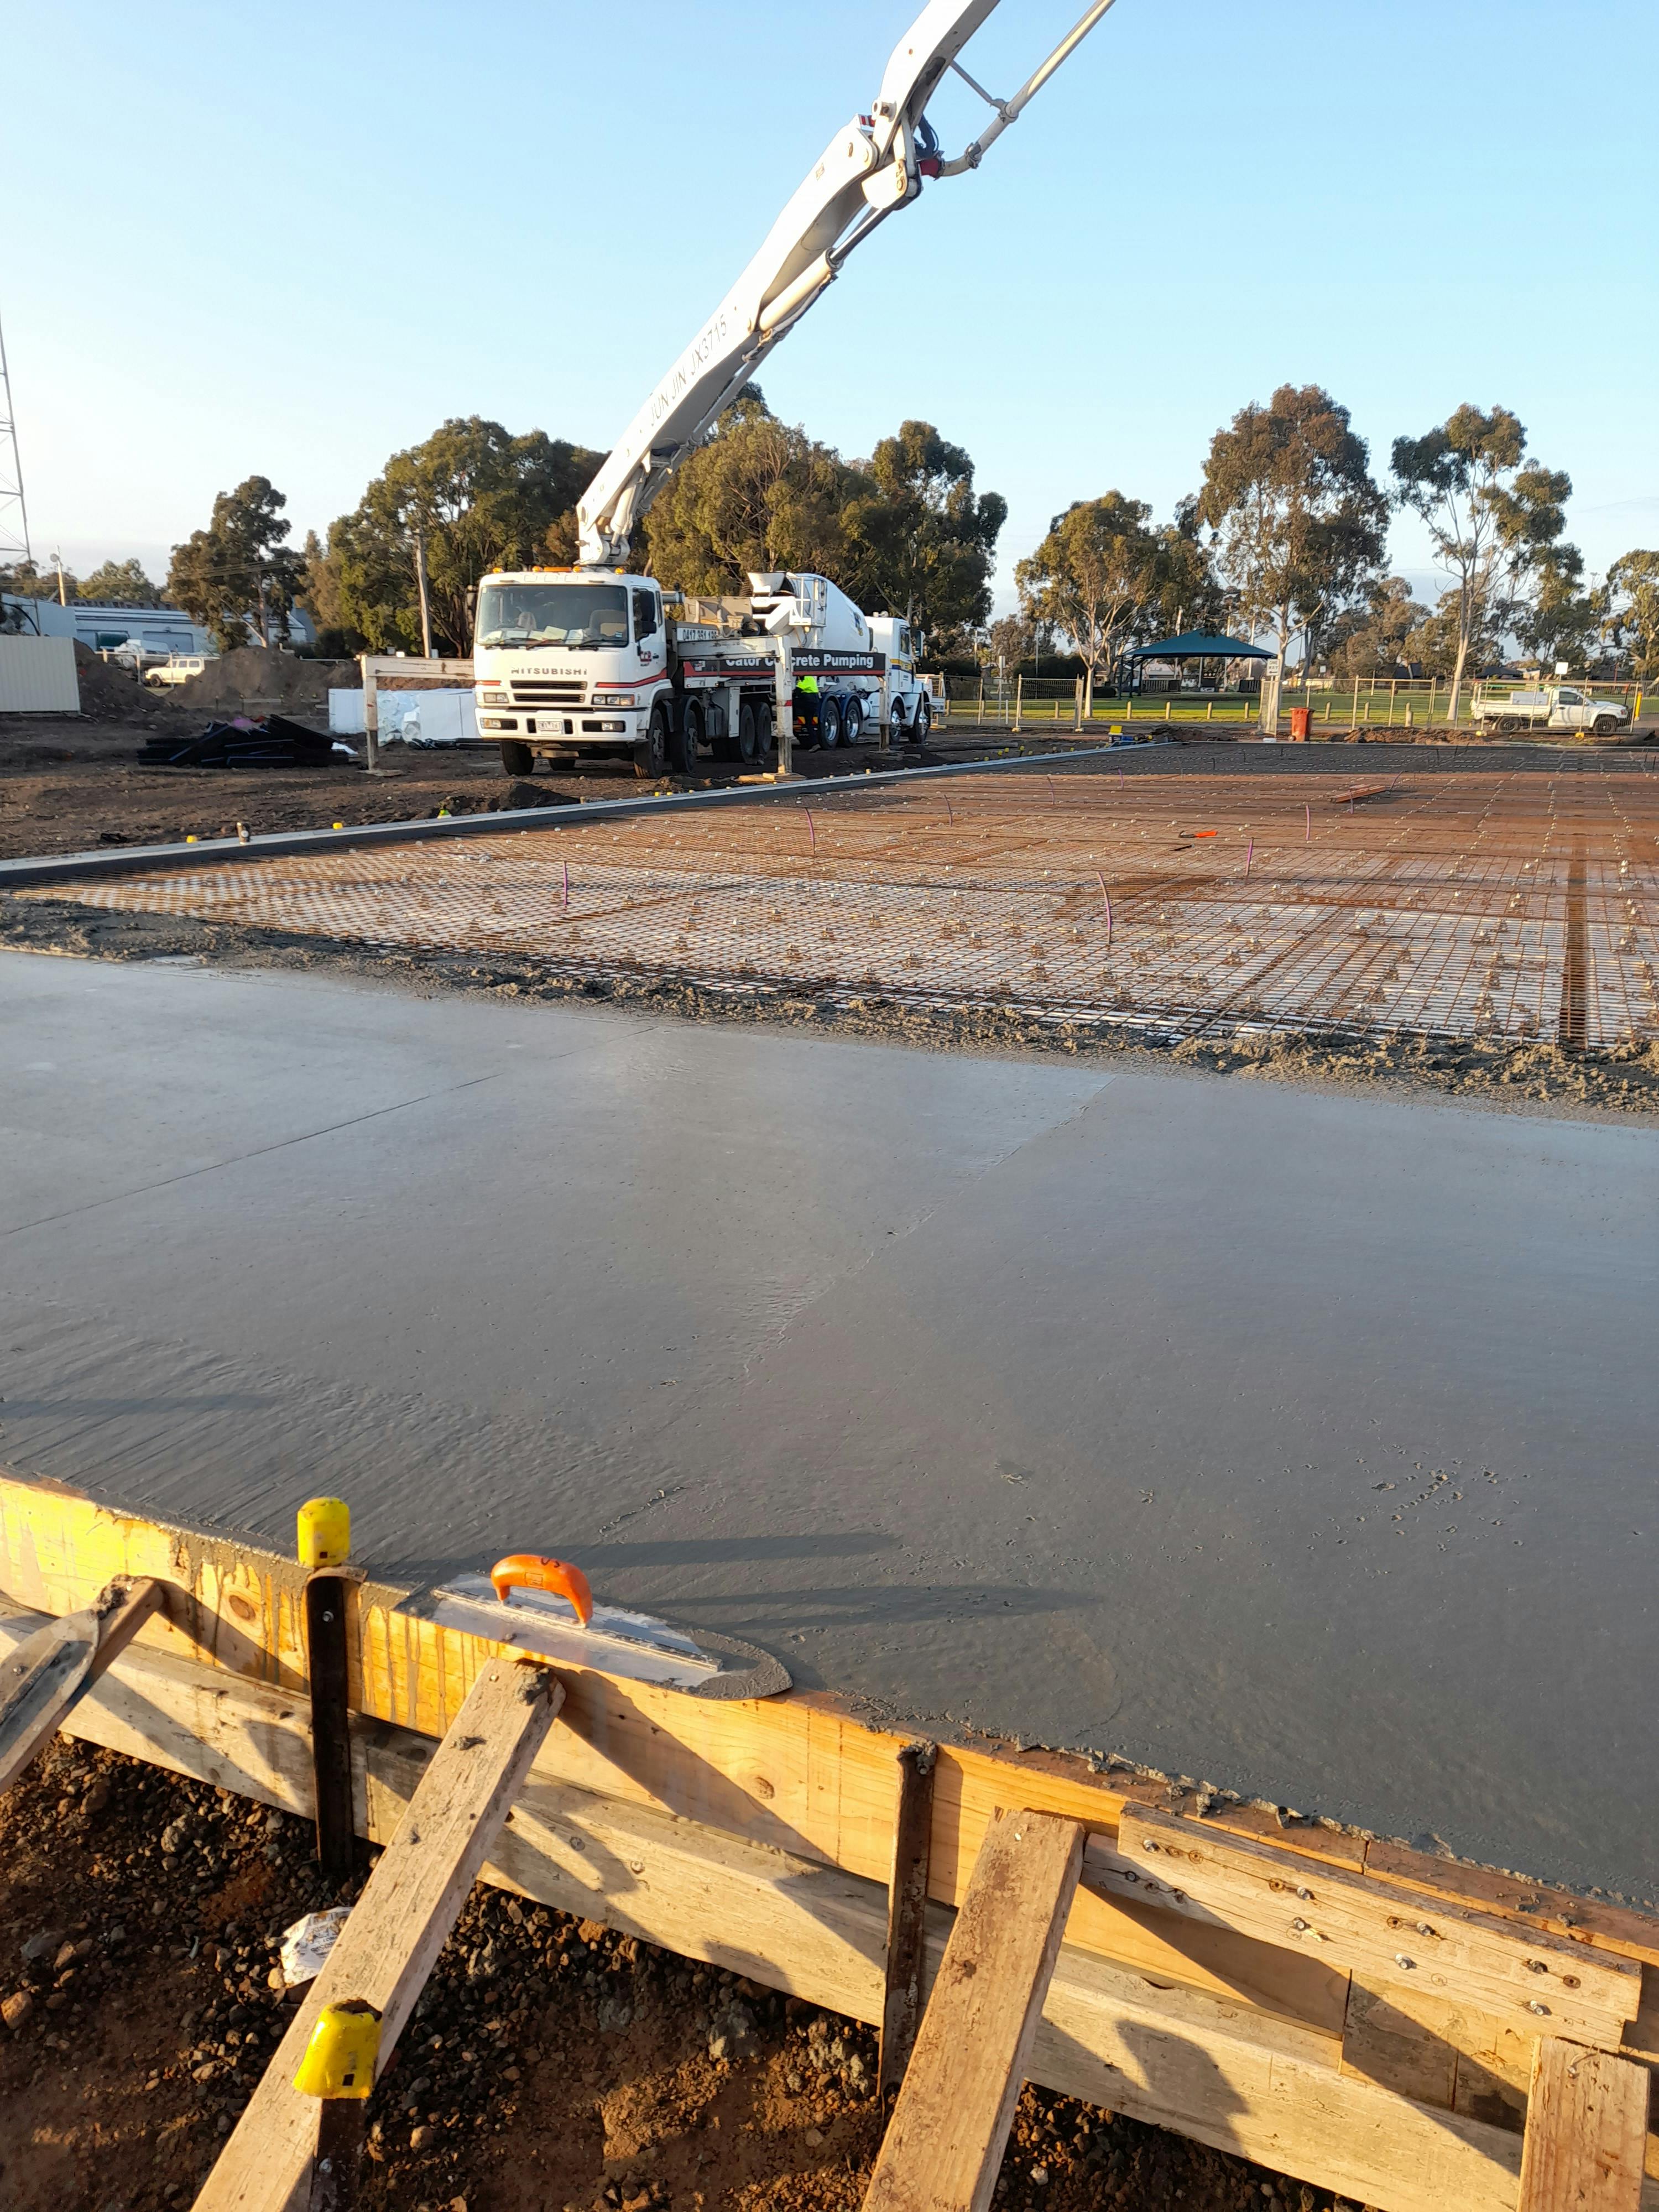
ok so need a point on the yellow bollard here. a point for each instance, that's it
(324, 1533)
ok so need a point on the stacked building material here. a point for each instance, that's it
(274, 742)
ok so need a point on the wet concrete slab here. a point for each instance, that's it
(1298, 1441)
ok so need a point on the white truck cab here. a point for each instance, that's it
(600, 661)
(582, 660)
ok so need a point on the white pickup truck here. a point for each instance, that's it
(1557, 707)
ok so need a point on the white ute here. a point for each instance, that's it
(177, 668)
(597, 659)
(1559, 707)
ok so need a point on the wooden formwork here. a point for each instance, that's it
(1350, 2012)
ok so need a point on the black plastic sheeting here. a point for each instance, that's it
(275, 742)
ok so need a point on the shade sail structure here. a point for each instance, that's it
(1195, 645)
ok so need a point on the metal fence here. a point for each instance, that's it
(1055, 704)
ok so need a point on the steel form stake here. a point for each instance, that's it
(342, 2132)
(325, 1540)
(906, 1915)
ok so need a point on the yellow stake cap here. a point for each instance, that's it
(324, 1531)
(340, 2059)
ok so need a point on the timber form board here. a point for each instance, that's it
(760, 1836)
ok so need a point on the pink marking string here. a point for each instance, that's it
(810, 831)
(949, 816)
(1307, 837)
(1107, 896)
(1050, 781)
(567, 883)
(1249, 855)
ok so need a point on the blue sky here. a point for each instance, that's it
(292, 244)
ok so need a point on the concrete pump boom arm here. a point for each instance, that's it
(874, 166)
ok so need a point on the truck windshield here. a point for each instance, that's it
(571, 615)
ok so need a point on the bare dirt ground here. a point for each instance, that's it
(70, 786)
(551, 2062)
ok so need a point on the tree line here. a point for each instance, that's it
(1284, 542)
(905, 529)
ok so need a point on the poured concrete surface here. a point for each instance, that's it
(1296, 1441)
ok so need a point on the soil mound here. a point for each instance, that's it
(108, 692)
(278, 679)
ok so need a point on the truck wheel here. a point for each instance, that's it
(852, 723)
(895, 724)
(517, 759)
(651, 754)
(924, 720)
(828, 724)
(1508, 724)
(1605, 725)
(765, 737)
(682, 747)
(749, 749)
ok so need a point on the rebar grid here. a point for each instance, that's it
(1511, 906)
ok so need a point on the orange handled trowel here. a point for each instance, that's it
(544, 1606)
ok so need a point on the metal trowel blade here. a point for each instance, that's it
(635, 1645)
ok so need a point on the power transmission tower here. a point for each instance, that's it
(13, 513)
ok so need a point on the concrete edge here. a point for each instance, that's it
(140, 859)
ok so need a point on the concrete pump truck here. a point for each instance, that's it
(596, 659)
